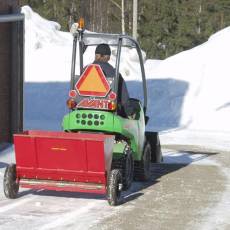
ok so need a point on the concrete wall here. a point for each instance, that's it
(10, 65)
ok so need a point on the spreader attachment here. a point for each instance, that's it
(77, 162)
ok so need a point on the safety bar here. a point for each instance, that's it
(12, 17)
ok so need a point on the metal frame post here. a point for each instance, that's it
(17, 72)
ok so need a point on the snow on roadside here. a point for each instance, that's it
(207, 101)
(47, 49)
(185, 158)
(219, 215)
(49, 52)
(41, 33)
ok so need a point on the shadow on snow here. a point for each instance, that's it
(45, 103)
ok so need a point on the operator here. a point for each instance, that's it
(102, 56)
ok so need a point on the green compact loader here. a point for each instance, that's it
(104, 144)
(96, 107)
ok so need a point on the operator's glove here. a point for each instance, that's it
(74, 28)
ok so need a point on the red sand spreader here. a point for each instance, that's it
(63, 161)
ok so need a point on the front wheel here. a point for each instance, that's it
(10, 183)
(114, 187)
(143, 167)
(128, 171)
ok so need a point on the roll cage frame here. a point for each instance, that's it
(79, 38)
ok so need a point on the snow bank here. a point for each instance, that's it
(48, 50)
(206, 69)
(41, 32)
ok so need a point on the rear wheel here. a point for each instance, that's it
(10, 183)
(114, 187)
(154, 141)
(143, 167)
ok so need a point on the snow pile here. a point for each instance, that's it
(206, 70)
(188, 90)
(41, 32)
(48, 50)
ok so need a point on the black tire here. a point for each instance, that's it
(10, 183)
(143, 167)
(156, 152)
(154, 141)
(114, 187)
(128, 170)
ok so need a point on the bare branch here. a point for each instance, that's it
(116, 4)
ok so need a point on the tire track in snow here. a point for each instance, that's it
(219, 215)
(68, 218)
(15, 204)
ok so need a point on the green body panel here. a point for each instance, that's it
(118, 149)
(102, 121)
(92, 120)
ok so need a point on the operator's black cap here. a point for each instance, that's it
(103, 49)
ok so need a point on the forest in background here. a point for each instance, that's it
(165, 27)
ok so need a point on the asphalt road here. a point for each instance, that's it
(190, 190)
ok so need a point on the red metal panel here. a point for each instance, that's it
(25, 147)
(63, 156)
(61, 175)
(63, 135)
(95, 156)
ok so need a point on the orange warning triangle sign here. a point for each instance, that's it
(93, 82)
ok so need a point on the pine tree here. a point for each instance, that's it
(165, 27)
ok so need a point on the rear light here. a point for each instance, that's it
(72, 93)
(112, 105)
(112, 96)
(71, 103)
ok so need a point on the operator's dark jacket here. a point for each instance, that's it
(110, 72)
